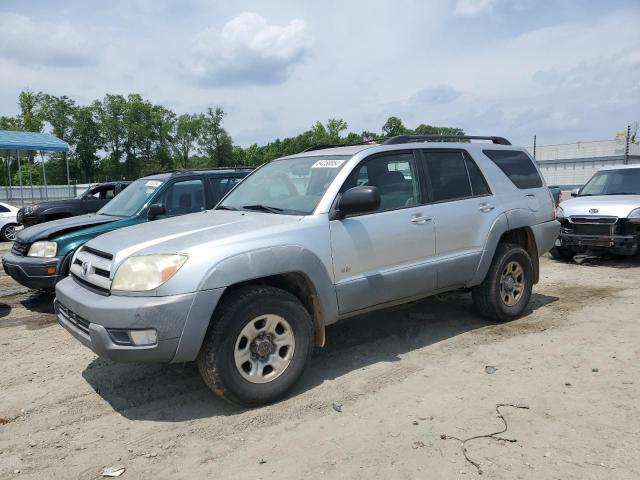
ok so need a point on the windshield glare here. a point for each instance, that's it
(613, 182)
(132, 199)
(292, 186)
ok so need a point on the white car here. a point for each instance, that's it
(8, 224)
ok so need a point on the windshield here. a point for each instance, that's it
(613, 182)
(132, 199)
(292, 186)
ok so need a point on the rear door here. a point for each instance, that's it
(384, 255)
(463, 210)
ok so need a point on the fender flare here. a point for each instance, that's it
(509, 220)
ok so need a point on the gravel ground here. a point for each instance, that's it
(404, 377)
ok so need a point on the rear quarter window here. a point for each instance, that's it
(517, 166)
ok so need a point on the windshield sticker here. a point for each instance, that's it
(327, 164)
(152, 184)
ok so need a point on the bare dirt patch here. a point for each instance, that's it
(404, 377)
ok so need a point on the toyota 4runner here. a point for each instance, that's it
(247, 288)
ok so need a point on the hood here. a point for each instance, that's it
(51, 203)
(606, 205)
(47, 230)
(180, 234)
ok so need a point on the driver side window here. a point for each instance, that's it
(184, 197)
(394, 175)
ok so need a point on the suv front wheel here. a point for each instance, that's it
(505, 292)
(260, 341)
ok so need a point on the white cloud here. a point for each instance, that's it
(248, 50)
(473, 7)
(44, 44)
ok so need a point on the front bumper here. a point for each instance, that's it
(32, 271)
(624, 244)
(180, 320)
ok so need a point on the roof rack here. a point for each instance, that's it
(334, 145)
(203, 169)
(431, 138)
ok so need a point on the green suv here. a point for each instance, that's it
(41, 254)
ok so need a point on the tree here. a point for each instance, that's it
(10, 123)
(334, 127)
(111, 112)
(87, 141)
(214, 140)
(393, 126)
(31, 111)
(164, 122)
(423, 129)
(188, 128)
(58, 112)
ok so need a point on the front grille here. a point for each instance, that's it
(20, 248)
(97, 253)
(90, 286)
(595, 220)
(80, 323)
(593, 229)
(102, 272)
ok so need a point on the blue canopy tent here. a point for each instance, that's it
(35, 142)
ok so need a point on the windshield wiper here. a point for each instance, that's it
(263, 208)
(224, 207)
(623, 193)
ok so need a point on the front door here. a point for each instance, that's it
(384, 255)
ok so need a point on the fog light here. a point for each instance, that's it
(143, 337)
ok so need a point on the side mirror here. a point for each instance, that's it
(155, 210)
(575, 192)
(358, 200)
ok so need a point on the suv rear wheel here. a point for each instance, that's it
(259, 343)
(506, 290)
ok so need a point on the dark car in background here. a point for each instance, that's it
(41, 254)
(90, 201)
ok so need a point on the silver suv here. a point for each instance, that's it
(604, 215)
(248, 288)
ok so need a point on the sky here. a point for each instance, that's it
(564, 70)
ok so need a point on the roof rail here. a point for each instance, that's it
(431, 138)
(322, 146)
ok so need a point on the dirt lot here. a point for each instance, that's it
(404, 377)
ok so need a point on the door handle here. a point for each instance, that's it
(486, 208)
(420, 220)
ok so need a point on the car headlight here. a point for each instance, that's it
(634, 216)
(43, 249)
(559, 212)
(28, 210)
(146, 272)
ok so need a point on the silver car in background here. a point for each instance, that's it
(604, 215)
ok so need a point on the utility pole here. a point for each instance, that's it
(534, 147)
(626, 146)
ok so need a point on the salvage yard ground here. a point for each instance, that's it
(404, 377)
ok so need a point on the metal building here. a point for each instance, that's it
(570, 165)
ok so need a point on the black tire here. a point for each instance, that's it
(561, 253)
(487, 297)
(216, 361)
(5, 234)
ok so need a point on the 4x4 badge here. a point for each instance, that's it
(594, 210)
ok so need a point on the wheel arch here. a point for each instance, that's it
(513, 227)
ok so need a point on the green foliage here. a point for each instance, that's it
(26, 168)
(121, 137)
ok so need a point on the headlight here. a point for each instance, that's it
(559, 212)
(28, 210)
(43, 249)
(634, 216)
(146, 272)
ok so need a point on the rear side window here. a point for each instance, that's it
(517, 166)
(3, 209)
(478, 183)
(448, 175)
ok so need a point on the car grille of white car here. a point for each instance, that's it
(92, 269)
